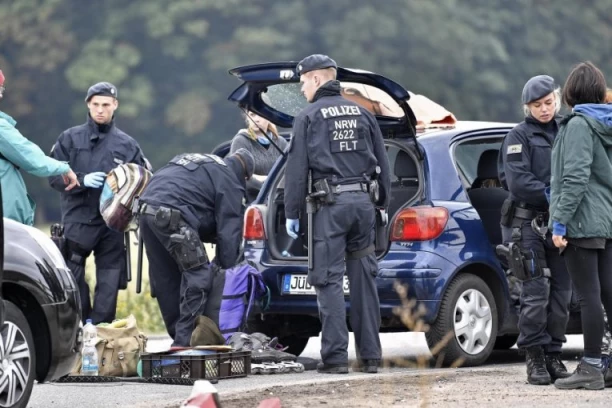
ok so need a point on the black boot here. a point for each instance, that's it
(536, 367)
(332, 368)
(586, 376)
(555, 367)
(367, 366)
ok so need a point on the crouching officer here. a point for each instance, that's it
(92, 150)
(524, 167)
(340, 145)
(194, 198)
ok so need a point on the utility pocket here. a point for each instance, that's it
(369, 264)
(320, 271)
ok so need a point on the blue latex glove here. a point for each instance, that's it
(559, 229)
(94, 180)
(293, 227)
(547, 194)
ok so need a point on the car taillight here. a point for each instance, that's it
(419, 224)
(253, 225)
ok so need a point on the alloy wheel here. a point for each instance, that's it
(14, 364)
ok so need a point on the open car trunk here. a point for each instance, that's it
(406, 186)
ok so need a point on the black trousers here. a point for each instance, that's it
(591, 272)
(181, 294)
(544, 302)
(108, 248)
(340, 229)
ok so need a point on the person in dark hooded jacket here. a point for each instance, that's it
(580, 216)
(193, 199)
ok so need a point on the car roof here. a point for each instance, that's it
(461, 126)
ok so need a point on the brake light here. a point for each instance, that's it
(253, 225)
(419, 224)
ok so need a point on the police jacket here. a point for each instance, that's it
(88, 148)
(337, 139)
(17, 152)
(209, 193)
(524, 161)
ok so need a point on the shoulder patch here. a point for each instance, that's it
(516, 148)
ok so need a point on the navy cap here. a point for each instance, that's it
(538, 87)
(102, 89)
(314, 62)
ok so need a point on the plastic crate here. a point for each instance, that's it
(209, 367)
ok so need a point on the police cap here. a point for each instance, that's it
(538, 87)
(102, 89)
(314, 62)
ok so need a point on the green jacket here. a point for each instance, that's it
(19, 151)
(581, 180)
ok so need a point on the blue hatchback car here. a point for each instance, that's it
(442, 232)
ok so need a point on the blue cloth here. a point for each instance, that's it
(600, 112)
(547, 193)
(263, 140)
(20, 152)
(559, 229)
(293, 227)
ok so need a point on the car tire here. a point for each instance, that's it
(468, 310)
(505, 342)
(18, 361)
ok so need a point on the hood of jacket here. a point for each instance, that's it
(599, 117)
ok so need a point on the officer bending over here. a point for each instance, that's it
(194, 198)
(92, 150)
(341, 144)
(525, 170)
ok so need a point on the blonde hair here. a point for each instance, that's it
(608, 95)
(557, 95)
(250, 123)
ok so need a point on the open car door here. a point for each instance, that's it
(272, 90)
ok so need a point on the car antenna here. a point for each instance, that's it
(263, 133)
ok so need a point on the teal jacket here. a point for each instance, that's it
(581, 182)
(17, 151)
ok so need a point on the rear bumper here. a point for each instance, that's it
(423, 273)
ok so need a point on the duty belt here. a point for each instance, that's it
(147, 209)
(345, 188)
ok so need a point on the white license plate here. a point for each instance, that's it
(297, 285)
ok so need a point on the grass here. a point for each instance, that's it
(144, 308)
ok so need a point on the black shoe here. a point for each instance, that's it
(608, 378)
(555, 367)
(332, 368)
(586, 376)
(536, 367)
(367, 366)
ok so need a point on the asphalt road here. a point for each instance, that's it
(397, 347)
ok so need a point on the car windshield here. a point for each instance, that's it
(288, 99)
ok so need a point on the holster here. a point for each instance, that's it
(188, 251)
(523, 264)
(381, 238)
(57, 236)
(373, 190)
(75, 253)
(323, 192)
(167, 218)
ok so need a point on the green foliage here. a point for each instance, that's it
(169, 58)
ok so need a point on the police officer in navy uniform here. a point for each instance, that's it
(524, 170)
(92, 150)
(193, 199)
(340, 143)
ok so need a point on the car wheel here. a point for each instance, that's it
(469, 312)
(505, 342)
(18, 359)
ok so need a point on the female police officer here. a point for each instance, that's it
(546, 289)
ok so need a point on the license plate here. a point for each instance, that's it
(297, 285)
